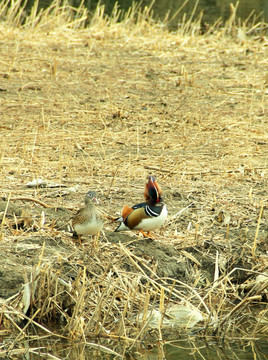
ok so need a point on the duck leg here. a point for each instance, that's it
(147, 235)
(96, 240)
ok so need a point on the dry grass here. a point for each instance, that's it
(101, 107)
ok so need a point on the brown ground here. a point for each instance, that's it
(101, 110)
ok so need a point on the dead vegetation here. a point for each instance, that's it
(100, 107)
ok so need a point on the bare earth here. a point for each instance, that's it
(102, 109)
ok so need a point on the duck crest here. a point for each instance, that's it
(153, 191)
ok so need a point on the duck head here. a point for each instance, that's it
(90, 197)
(152, 191)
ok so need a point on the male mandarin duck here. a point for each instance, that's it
(88, 220)
(146, 216)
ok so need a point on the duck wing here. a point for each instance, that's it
(140, 212)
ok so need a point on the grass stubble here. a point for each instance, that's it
(102, 103)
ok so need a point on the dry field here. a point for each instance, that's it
(101, 108)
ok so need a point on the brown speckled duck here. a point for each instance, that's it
(88, 220)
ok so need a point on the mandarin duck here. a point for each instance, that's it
(146, 216)
(88, 220)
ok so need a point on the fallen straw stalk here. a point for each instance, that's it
(158, 286)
